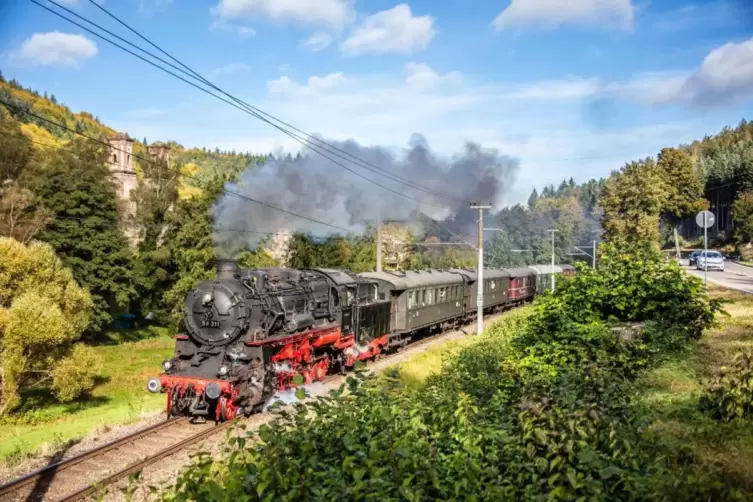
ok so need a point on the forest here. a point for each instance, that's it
(60, 215)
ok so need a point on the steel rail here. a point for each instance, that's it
(137, 466)
(67, 463)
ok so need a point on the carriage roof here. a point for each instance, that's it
(410, 279)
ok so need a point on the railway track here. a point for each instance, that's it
(74, 478)
(81, 476)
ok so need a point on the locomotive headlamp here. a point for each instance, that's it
(207, 299)
(223, 370)
(167, 365)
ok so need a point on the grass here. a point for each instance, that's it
(120, 397)
(414, 372)
(670, 395)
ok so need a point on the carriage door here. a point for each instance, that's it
(347, 302)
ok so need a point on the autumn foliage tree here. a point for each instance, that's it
(632, 200)
(683, 186)
(43, 312)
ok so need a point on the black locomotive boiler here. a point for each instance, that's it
(250, 332)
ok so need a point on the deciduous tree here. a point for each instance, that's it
(683, 186)
(20, 216)
(632, 200)
(16, 151)
(42, 313)
(742, 215)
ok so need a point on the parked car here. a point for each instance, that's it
(693, 258)
(710, 260)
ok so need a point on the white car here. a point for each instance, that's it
(710, 260)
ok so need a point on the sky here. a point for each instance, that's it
(570, 88)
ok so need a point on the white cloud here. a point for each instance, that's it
(725, 76)
(240, 30)
(56, 49)
(230, 69)
(331, 13)
(553, 13)
(421, 76)
(393, 30)
(318, 41)
(285, 68)
(314, 85)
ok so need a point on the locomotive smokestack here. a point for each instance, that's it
(227, 269)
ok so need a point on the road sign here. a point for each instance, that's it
(709, 219)
(479, 300)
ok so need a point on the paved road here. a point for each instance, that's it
(734, 276)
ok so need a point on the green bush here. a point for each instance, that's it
(729, 394)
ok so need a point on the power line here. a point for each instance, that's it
(224, 190)
(245, 107)
(393, 176)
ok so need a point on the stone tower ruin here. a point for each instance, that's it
(121, 167)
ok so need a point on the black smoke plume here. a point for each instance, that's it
(315, 187)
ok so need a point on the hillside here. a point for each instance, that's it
(199, 164)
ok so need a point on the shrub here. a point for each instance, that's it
(77, 373)
(729, 394)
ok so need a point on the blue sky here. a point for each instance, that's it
(569, 87)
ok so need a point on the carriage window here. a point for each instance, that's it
(376, 291)
(411, 299)
(429, 296)
(442, 294)
(423, 298)
(494, 284)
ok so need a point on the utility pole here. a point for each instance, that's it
(379, 242)
(705, 250)
(480, 281)
(593, 258)
(552, 274)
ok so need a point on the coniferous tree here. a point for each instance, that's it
(532, 199)
(79, 192)
(155, 195)
(192, 251)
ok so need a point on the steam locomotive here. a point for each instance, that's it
(250, 333)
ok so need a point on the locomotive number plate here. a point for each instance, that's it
(210, 324)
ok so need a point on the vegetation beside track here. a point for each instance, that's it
(594, 396)
(119, 397)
